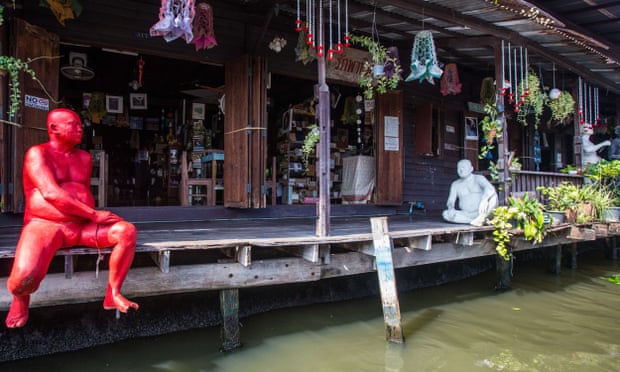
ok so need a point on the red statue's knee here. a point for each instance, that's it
(23, 285)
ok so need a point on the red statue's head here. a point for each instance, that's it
(64, 125)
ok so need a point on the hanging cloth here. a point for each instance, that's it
(96, 107)
(487, 91)
(175, 20)
(450, 83)
(63, 9)
(204, 36)
(424, 64)
(303, 52)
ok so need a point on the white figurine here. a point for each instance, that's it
(590, 155)
(475, 194)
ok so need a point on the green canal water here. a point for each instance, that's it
(566, 322)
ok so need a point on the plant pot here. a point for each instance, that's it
(557, 217)
(378, 70)
(611, 214)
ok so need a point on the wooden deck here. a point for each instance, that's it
(185, 250)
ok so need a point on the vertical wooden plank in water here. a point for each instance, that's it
(229, 306)
(387, 282)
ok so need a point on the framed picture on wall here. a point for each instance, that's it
(198, 111)
(114, 104)
(137, 101)
(471, 128)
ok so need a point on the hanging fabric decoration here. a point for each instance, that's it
(96, 107)
(424, 63)
(204, 35)
(63, 9)
(487, 91)
(390, 66)
(303, 52)
(175, 20)
(450, 83)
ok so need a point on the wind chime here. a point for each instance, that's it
(588, 98)
(516, 87)
(314, 27)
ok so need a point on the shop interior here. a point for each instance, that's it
(145, 111)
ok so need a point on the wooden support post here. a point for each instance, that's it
(162, 260)
(68, 266)
(503, 268)
(573, 256)
(387, 282)
(229, 306)
(465, 238)
(557, 262)
(614, 249)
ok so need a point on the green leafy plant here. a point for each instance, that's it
(13, 66)
(379, 55)
(310, 141)
(562, 107)
(528, 217)
(530, 94)
(605, 173)
(580, 203)
(492, 127)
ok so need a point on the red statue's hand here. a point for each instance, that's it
(106, 217)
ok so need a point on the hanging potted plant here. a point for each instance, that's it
(491, 126)
(310, 141)
(531, 100)
(373, 77)
(562, 106)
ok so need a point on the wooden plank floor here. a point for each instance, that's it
(197, 253)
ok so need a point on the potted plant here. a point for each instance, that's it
(522, 214)
(562, 106)
(312, 138)
(605, 174)
(580, 203)
(491, 126)
(530, 98)
(373, 78)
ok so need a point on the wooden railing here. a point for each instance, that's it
(528, 181)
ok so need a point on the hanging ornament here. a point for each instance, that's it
(450, 83)
(315, 31)
(303, 52)
(204, 35)
(140, 64)
(62, 9)
(175, 20)
(424, 64)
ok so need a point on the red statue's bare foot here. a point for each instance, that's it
(118, 302)
(18, 312)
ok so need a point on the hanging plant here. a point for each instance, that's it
(373, 78)
(492, 127)
(312, 138)
(13, 66)
(531, 99)
(562, 106)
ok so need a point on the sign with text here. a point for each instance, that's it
(347, 66)
(37, 102)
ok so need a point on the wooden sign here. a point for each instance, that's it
(347, 66)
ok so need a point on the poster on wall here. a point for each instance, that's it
(198, 111)
(391, 140)
(471, 128)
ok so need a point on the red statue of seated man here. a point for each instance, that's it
(60, 213)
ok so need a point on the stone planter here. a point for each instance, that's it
(557, 217)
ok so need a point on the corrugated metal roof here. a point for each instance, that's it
(579, 37)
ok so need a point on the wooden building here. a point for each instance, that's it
(151, 93)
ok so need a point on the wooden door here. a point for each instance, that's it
(245, 128)
(30, 42)
(390, 148)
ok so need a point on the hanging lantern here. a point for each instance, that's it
(450, 83)
(175, 20)
(424, 64)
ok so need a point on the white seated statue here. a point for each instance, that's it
(472, 197)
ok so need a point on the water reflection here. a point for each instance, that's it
(546, 323)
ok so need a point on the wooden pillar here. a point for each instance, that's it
(503, 268)
(573, 255)
(387, 282)
(229, 306)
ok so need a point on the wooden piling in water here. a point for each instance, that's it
(229, 306)
(387, 282)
